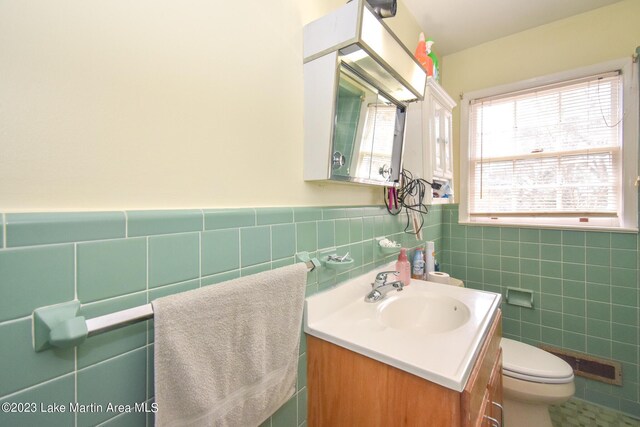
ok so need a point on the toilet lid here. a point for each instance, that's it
(529, 363)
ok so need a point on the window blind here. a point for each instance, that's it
(550, 151)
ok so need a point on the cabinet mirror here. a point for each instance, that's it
(368, 132)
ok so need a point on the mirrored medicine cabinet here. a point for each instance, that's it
(368, 130)
(358, 80)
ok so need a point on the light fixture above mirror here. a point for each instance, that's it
(358, 80)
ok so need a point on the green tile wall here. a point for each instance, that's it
(173, 258)
(585, 287)
(34, 277)
(28, 229)
(145, 223)
(116, 260)
(110, 268)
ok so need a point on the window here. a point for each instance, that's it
(559, 150)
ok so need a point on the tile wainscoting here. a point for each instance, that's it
(111, 261)
(585, 287)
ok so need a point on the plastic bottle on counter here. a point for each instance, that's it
(430, 258)
(417, 271)
(403, 267)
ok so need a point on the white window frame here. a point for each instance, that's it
(629, 193)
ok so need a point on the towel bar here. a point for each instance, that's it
(61, 325)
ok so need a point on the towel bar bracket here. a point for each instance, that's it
(58, 326)
(312, 263)
(61, 326)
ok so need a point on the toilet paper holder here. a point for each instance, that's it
(520, 297)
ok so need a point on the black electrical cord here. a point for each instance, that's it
(410, 189)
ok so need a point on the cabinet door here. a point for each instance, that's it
(417, 153)
(485, 420)
(447, 146)
(438, 138)
(414, 142)
(495, 391)
(442, 130)
(475, 400)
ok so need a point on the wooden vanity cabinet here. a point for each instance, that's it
(351, 390)
(484, 386)
(491, 406)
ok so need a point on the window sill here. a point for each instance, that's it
(550, 226)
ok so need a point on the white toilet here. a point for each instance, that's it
(532, 380)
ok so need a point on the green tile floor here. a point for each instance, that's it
(579, 413)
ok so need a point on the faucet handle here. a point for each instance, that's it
(381, 277)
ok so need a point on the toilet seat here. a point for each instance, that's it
(526, 362)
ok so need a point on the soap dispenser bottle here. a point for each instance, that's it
(403, 267)
(418, 264)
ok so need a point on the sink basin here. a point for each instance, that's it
(431, 314)
(431, 330)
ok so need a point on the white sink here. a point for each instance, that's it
(431, 330)
(428, 312)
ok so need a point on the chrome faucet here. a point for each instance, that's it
(381, 287)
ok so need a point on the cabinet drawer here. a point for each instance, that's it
(495, 391)
(474, 393)
(485, 408)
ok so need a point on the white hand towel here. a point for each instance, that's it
(227, 354)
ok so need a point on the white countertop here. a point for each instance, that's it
(341, 316)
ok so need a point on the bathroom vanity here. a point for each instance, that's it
(427, 356)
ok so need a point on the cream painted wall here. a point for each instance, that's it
(158, 104)
(603, 34)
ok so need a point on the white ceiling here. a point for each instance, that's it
(455, 25)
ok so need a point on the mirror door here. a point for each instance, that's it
(368, 132)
